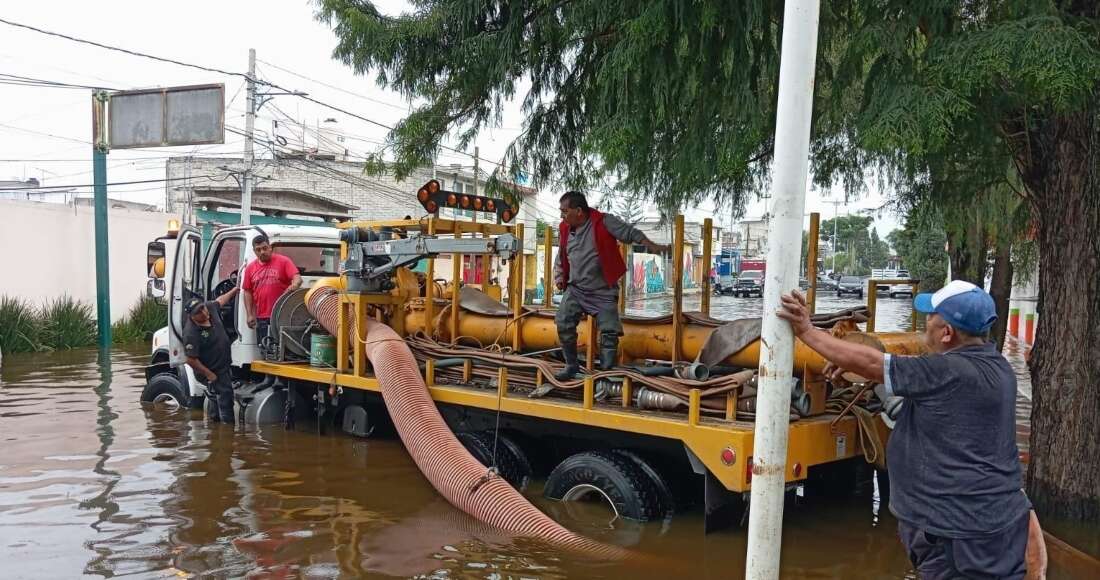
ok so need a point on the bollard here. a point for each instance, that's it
(1029, 329)
(1014, 322)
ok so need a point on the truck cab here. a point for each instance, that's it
(189, 267)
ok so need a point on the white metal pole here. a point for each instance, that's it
(249, 155)
(773, 399)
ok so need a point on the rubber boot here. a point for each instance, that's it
(569, 353)
(609, 352)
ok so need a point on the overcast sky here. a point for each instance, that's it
(46, 132)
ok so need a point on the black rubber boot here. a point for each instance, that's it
(569, 353)
(609, 352)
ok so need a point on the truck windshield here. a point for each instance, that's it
(311, 259)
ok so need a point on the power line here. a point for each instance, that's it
(18, 80)
(236, 74)
(333, 87)
(42, 187)
(117, 49)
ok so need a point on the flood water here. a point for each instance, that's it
(93, 484)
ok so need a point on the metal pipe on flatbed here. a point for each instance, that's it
(777, 353)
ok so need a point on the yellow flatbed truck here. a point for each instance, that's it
(643, 450)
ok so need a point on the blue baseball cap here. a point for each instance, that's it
(962, 305)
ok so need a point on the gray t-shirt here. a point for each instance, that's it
(954, 465)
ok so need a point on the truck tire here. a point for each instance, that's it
(663, 486)
(628, 490)
(511, 462)
(165, 389)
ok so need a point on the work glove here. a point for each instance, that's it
(891, 406)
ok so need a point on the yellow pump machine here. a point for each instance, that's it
(678, 407)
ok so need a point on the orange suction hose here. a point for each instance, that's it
(452, 471)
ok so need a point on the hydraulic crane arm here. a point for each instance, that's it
(374, 260)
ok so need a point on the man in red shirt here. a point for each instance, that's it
(265, 280)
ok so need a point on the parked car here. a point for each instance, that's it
(803, 284)
(749, 282)
(850, 285)
(724, 286)
(825, 283)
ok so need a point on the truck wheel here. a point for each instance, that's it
(613, 478)
(165, 390)
(839, 294)
(664, 490)
(511, 462)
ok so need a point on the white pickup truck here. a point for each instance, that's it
(189, 270)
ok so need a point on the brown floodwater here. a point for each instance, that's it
(94, 484)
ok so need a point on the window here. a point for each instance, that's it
(226, 261)
(312, 259)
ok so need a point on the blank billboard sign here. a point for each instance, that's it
(172, 116)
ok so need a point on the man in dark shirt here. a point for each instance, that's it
(955, 477)
(208, 352)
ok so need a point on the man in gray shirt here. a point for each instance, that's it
(588, 267)
(955, 477)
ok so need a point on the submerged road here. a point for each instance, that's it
(92, 483)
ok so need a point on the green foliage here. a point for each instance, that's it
(67, 323)
(677, 96)
(145, 317)
(19, 326)
(859, 249)
(921, 249)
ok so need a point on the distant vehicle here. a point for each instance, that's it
(724, 286)
(850, 285)
(803, 284)
(749, 282)
(825, 283)
(894, 290)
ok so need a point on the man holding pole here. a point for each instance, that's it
(955, 476)
(588, 267)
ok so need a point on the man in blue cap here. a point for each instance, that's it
(955, 476)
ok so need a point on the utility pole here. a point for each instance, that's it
(836, 204)
(773, 400)
(249, 154)
(102, 256)
(477, 155)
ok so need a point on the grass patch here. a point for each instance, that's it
(67, 323)
(144, 318)
(19, 326)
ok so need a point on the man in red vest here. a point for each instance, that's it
(588, 268)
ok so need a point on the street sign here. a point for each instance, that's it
(165, 117)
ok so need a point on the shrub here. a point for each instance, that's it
(145, 318)
(19, 326)
(67, 323)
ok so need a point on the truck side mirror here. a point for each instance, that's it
(154, 258)
(154, 288)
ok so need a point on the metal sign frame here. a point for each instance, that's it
(164, 140)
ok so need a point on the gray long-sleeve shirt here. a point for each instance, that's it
(585, 270)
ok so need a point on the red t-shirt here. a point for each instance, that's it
(267, 282)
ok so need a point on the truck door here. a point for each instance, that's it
(220, 271)
(186, 283)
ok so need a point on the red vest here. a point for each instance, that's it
(607, 247)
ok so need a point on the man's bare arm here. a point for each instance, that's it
(295, 283)
(200, 368)
(860, 359)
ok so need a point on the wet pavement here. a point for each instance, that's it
(92, 483)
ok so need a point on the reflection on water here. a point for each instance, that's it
(92, 483)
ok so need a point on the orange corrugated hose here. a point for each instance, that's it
(451, 469)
